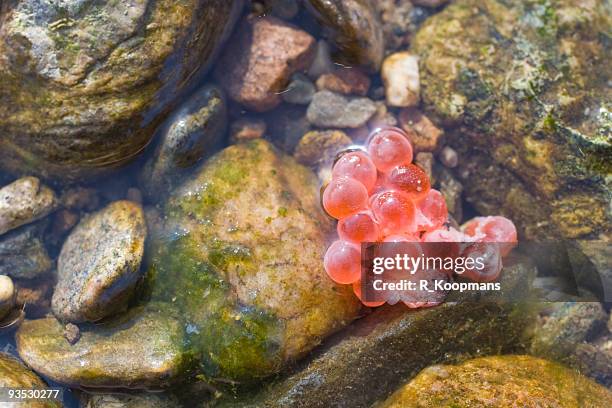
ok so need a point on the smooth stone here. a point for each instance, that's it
(140, 349)
(99, 265)
(24, 201)
(329, 109)
(287, 124)
(260, 59)
(377, 354)
(7, 296)
(13, 374)
(23, 254)
(193, 132)
(299, 91)
(545, 164)
(452, 191)
(319, 149)
(141, 400)
(84, 84)
(425, 136)
(322, 62)
(500, 381)
(400, 75)
(246, 129)
(354, 27)
(347, 81)
(239, 253)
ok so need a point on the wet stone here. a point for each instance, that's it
(400, 74)
(287, 125)
(500, 381)
(140, 349)
(379, 353)
(346, 81)
(353, 26)
(35, 296)
(425, 136)
(329, 109)
(24, 201)
(246, 129)
(193, 132)
(7, 296)
(260, 59)
(299, 91)
(141, 400)
(13, 374)
(247, 233)
(99, 264)
(100, 77)
(23, 254)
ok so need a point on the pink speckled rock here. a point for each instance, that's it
(260, 59)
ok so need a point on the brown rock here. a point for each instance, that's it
(347, 81)
(425, 136)
(35, 296)
(261, 58)
(72, 334)
(247, 129)
(318, 148)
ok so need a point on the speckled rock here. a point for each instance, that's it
(83, 84)
(347, 81)
(99, 264)
(24, 201)
(140, 349)
(529, 109)
(240, 256)
(192, 132)
(574, 334)
(500, 381)
(329, 109)
(131, 401)
(23, 254)
(424, 135)
(318, 150)
(354, 27)
(259, 60)
(14, 374)
(299, 91)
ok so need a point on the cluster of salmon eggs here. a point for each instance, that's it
(379, 195)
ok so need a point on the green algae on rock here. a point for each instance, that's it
(500, 381)
(141, 349)
(13, 374)
(240, 255)
(84, 83)
(375, 355)
(525, 88)
(354, 27)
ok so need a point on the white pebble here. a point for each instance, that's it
(400, 74)
(449, 157)
(7, 295)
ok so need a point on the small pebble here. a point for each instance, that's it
(7, 296)
(133, 194)
(331, 110)
(299, 91)
(72, 333)
(426, 136)
(347, 81)
(400, 74)
(24, 201)
(425, 161)
(448, 157)
(322, 62)
(318, 148)
(246, 129)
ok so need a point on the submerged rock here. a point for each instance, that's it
(526, 87)
(500, 381)
(131, 401)
(191, 133)
(13, 374)
(240, 255)
(83, 83)
(141, 349)
(7, 296)
(354, 27)
(23, 254)
(260, 59)
(24, 201)
(329, 109)
(99, 265)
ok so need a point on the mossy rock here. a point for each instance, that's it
(83, 84)
(500, 381)
(373, 357)
(523, 87)
(240, 254)
(13, 374)
(144, 348)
